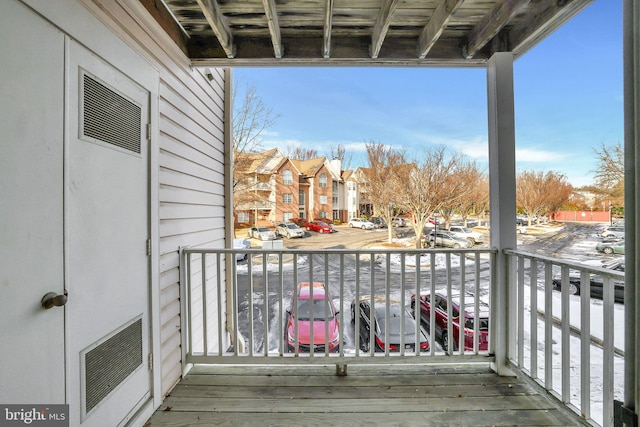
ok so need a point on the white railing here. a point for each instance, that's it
(245, 321)
(571, 345)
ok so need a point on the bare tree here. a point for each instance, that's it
(428, 187)
(609, 174)
(299, 153)
(251, 117)
(476, 191)
(539, 193)
(383, 183)
(340, 152)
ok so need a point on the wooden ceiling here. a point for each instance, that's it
(456, 33)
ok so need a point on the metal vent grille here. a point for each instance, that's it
(111, 362)
(110, 118)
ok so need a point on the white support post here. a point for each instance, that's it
(502, 185)
(631, 53)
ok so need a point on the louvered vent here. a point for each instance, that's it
(109, 117)
(111, 362)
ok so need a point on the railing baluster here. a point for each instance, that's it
(585, 344)
(432, 295)
(282, 339)
(548, 327)
(565, 352)
(341, 307)
(476, 305)
(533, 317)
(356, 307)
(219, 297)
(520, 310)
(462, 319)
(450, 338)
(608, 350)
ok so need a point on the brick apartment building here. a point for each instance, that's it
(273, 188)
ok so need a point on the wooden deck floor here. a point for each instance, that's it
(368, 395)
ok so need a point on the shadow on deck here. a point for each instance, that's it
(407, 395)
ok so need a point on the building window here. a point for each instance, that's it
(286, 216)
(335, 200)
(243, 216)
(323, 180)
(287, 177)
(334, 186)
(287, 198)
(323, 200)
(301, 198)
(323, 214)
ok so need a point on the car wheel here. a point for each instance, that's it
(608, 251)
(472, 241)
(456, 245)
(445, 341)
(350, 225)
(365, 343)
(321, 231)
(574, 289)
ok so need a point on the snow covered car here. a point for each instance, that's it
(261, 233)
(466, 233)
(241, 244)
(313, 309)
(611, 246)
(289, 230)
(441, 302)
(384, 326)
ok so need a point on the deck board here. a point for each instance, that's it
(369, 395)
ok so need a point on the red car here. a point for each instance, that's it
(441, 323)
(320, 227)
(325, 326)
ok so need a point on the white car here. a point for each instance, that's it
(261, 233)
(241, 244)
(466, 233)
(361, 223)
(289, 230)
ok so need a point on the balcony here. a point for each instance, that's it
(564, 357)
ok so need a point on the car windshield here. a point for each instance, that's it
(319, 305)
(292, 226)
(483, 325)
(263, 229)
(394, 322)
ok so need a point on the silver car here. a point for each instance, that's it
(261, 233)
(361, 223)
(289, 230)
(446, 240)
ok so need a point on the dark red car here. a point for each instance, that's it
(441, 302)
(320, 227)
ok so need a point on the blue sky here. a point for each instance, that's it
(568, 92)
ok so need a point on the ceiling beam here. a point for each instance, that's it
(328, 19)
(491, 24)
(274, 26)
(382, 26)
(219, 26)
(436, 25)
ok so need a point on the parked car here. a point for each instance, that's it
(446, 239)
(361, 223)
(597, 283)
(441, 327)
(324, 323)
(378, 222)
(615, 230)
(320, 227)
(521, 229)
(398, 222)
(241, 244)
(611, 246)
(466, 233)
(436, 221)
(262, 233)
(289, 230)
(382, 325)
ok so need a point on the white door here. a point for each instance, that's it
(32, 368)
(106, 232)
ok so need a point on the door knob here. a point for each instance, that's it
(52, 299)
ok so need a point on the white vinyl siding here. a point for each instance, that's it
(190, 158)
